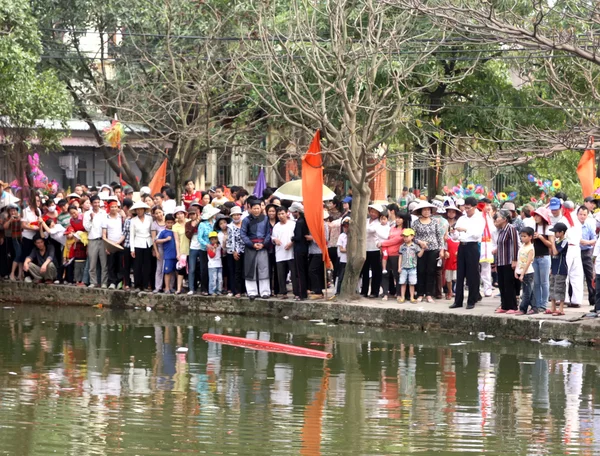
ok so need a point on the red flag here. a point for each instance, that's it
(159, 179)
(312, 194)
(586, 171)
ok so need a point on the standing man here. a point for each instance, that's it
(112, 230)
(282, 235)
(301, 244)
(93, 221)
(470, 230)
(256, 235)
(587, 243)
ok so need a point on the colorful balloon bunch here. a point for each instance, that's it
(40, 180)
(479, 192)
(545, 186)
(476, 190)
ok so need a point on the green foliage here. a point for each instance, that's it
(28, 94)
(562, 166)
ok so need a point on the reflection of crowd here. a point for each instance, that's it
(455, 392)
(224, 241)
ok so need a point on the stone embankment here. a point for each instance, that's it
(430, 317)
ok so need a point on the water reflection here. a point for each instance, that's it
(90, 383)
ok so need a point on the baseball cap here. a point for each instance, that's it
(555, 204)
(212, 234)
(408, 232)
(559, 228)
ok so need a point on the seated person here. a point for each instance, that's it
(40, 264)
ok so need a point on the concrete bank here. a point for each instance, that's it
(435, 317)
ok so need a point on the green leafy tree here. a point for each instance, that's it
(341, 67)
(30, 96)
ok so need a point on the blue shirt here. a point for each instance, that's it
(587, 235)
(256, 228)
(169, 247)
(204, 230)
(558, 265)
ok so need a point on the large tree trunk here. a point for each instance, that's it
(357, 249)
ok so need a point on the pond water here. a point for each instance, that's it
(95, 382)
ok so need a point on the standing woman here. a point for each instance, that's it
(452, 215)
(235, 252)
(543, 244)
(429, 237)
(191, 232)
(334, 224)
(184, 243)
(506, 254)
(206, 199)
(272, 216)
(29, 224)
(13, 225)
(375, 233)
(392, 244)
(158, 225)
(221, 228)
(140, 239)
(204, 228)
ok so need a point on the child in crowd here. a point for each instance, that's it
(524, 272)
(409, 252)
(170, 244)
(215, 264)
(342, 243)
(383, 219)
(558, 270)
(451, 263)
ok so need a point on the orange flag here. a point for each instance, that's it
(312, 194)
(159, 179)
(586, 171)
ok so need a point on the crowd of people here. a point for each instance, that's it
(226, 241)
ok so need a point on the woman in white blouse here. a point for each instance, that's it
(140, 241)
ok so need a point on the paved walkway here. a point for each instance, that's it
(486, 307)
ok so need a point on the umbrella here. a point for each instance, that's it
(292, 191)
(7, 199)
(261, 184)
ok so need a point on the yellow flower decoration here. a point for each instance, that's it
(471, 187)
(502, 196)
(556, 184)
(597, 182)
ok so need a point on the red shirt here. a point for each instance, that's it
(451, 262)
(189, 199)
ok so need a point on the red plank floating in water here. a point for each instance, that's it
(266, 346)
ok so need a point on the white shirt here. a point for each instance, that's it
(554, 220)
(216, 262)
(194, 242)
(529, 222)
(284, 234)
(376, 232)
(29, 217)
(168, 206)
(574, 235)
(342, 242)
(93, 225)
(474, 227)
(114, 228)
(596, 255)
(139, 233)
(57, 232)
(219, 202)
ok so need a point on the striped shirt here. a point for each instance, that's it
(508, 246)
(126, 233)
